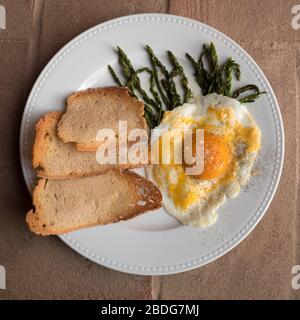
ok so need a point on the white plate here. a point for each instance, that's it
(155, 243)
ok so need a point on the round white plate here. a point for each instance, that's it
(155, 243)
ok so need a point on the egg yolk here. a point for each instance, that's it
(216, 156)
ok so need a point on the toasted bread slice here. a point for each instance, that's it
(55, 159)
(65, 205)
(91, 110)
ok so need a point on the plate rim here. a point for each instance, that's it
(280, 137)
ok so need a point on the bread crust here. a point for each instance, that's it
(92, 147)
(37, 219)
(41, 130)
(34, 218)
(40, 150)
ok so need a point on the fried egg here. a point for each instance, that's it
(232, 140)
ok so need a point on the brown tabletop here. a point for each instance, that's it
(45, 268)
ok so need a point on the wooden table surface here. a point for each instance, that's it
(37, 267)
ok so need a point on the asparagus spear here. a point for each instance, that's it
(218, 78)
(184, 79)
(249, 98)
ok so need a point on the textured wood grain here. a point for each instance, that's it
(198, 10)
(18, 20)
(264, 29)
(83, 14)
(296, 293)
(260, 267)
(46, 268)
(255, 21)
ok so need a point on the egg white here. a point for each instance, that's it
(204, 212)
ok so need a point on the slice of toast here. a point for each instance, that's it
(91, 110)
(65, 205)
(55, 159)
